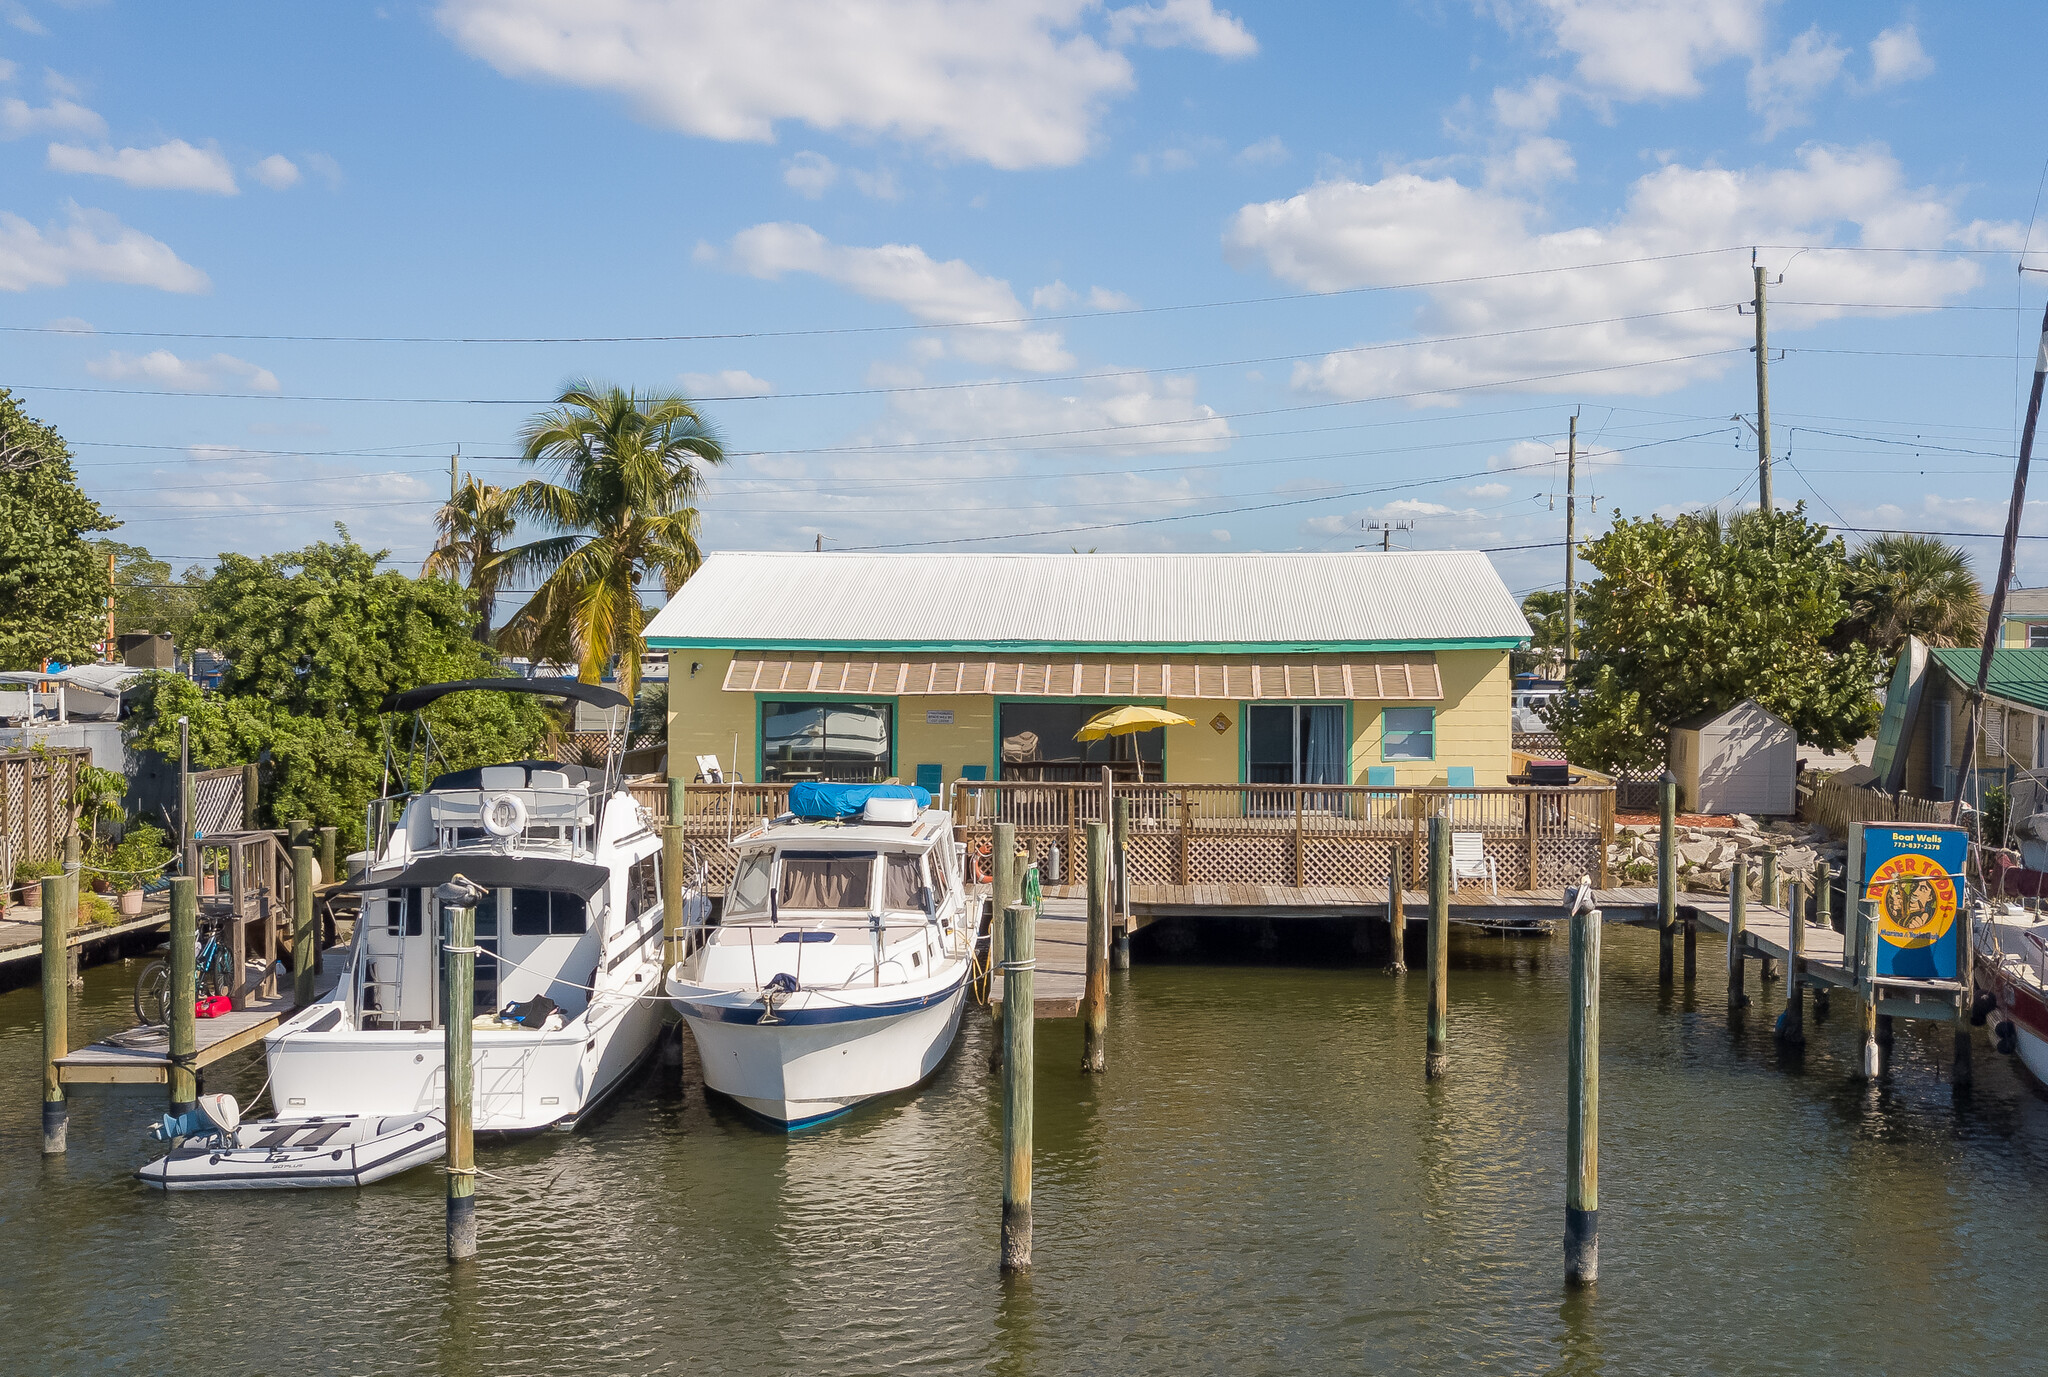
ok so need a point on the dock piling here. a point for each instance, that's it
(1095, 1000)
(1792, 1023)
(1962, 1074)
(304, 961)
(1582, 1111)
(250, 785)
(1866, 990)
(1018, 1037)
(1436, 1056)
(1120, 874)
(456, 1018)
(74, 976)
(1766, 968)
(1738, 932)
(329, 846)
(1005, 883)
(56, 1011)
(183, 1033)
(1667, 873)
(1397, 918)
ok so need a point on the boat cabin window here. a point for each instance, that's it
(643, 886)
(406, 909)
(748, 892)
(902, 877)
(827, 879)
(546, 913)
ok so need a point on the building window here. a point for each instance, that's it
(643, 886)
(841, 741)
(2037, 635)
(1408, 734)
(1038, 744)
(1289, 743)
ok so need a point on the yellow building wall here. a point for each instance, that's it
(1473, 727)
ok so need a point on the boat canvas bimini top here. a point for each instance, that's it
(839, 967)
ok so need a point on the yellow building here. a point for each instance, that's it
(1362, 668)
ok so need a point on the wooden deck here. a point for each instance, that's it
(142, 1057)
(1767, 931)
(21, 931)
(1060, 947)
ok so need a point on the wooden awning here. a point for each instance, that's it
(1391, 677)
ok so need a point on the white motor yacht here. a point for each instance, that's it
(570, 937)
(839, 966)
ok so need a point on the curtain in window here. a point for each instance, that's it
(826, 881)
(1322, 755)
(901, 881)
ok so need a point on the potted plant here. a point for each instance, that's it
(140, 857)
(29, 877)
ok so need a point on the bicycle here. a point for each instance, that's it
(213, 973)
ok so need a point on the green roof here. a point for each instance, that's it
(2018, 676)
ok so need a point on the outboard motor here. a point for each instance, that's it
(215, 1116)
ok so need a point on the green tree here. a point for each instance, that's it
(629, 470)
(147, 597)
(1909, 585)
(315, 640)
(474, 525)
(53, 585)
(1698, 613)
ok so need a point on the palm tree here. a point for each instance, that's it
(1909, 585)
(629, 470)
(473, 525)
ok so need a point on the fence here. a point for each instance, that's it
(217, 804)
(1838, 806)
(36, 788)
(1221, 834)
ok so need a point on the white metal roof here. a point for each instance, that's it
(1365, 599)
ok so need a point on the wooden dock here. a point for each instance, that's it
(1766, 932)
(21, 932)
(142, 1056)
(1062, 960)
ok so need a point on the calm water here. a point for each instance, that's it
(1262, 1183)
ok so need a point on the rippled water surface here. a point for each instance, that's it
(1261, 1183)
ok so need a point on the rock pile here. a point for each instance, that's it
(1706, 855)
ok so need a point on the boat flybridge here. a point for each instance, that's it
(569, 937)
(839, 967)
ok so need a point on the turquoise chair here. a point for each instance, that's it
(932, 778)
(977, 773)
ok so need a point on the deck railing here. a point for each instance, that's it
(1227, 834)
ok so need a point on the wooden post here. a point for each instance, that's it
(251, 777)
(1767, 969)
(457, 1012)
(183, 1032)
(1187, 837)
(1961, 1074)
(672, 864)
(1667, 873)
(1529, 814)
(1397, 916)
(305, 959)
(1738, 931)
(1300, 842)
(1792, 1023)
(1095, 1003)
(298, 832)
(330, 843)
(677, 800)
(1417, 856)
(1436, 1057)
(1017, 1089)
(1601, 878)
(1005, 889)
(1866, 990)
(74, 978)
(187, 803)
(56, 1011)
(1582, 1110)
(1120, 876)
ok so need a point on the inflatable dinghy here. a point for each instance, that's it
(212, 1149)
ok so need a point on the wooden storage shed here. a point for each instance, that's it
(1743, 759)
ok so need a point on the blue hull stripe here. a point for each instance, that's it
(754, 1013)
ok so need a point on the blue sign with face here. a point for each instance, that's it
(1914, 875)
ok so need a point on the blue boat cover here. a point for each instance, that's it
(815, 798)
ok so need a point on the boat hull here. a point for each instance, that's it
(297, 1154)
(2028, 1013)
(820, 1058)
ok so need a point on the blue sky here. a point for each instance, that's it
(1035, 275)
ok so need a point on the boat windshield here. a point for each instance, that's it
(826, 879)
(902, 878)
(749, 891)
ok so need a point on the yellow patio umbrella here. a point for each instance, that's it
(1128, 721)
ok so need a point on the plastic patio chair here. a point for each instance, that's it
(1469, 860)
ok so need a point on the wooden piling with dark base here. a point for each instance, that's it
(1738, 932)
(1792, 1023)
(183, 1033)
(1019, 1037)
(327, 848)
(1120, 877)
(1436, 1050)
(457, 1013)
(1582, 1110)
(250, 785)
(1397, 916)
(1006, 884)
(1667, 874)
(1095, 998)
(1962, 1074)
(56, 1013)
(1866, 991)
(305, 963)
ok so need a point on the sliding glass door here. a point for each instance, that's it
(1293, 743)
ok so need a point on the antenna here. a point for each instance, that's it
(1386, 530)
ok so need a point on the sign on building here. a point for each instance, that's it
(1914, 874)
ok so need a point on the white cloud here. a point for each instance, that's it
(1487, 490)
(7, 70)
(879, 185)
(1057, 296)
(727, 382)
(276, 172)
(1650, 49)
(1408, 228)
(1267, 152)
(92, 245)
(323, 166)
(810, 174)
(1116, 413)
(1781, 88)
(1534, 107)
(1182, 23)
(220, 373)
(1533, 163)
(1103, 299)
(1014, 84)
(173, 166)
(905, 275)
(60, 116)
(1896, 55)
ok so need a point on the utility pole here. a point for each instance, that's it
(1763, 394)
(455, 473)
(1571, 543)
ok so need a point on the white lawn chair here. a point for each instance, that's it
(708, 771)
(1469, 860)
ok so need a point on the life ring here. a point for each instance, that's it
(504, 815)
(978, 860)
